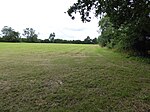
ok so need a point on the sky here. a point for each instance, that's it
(45, 17)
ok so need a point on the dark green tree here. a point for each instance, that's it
(94, 41)
(1, 39)
(46, 41)
(119, 11)
(129, 16)
(88, 40)
(30, 34)
(10, 35)
(51, 37)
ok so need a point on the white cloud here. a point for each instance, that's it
(45, 16)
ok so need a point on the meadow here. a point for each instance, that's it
(71, 78)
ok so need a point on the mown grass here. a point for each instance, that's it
(71, 78)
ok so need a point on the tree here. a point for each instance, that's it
(131, 16)
(10, 35)
(87, 40)
(51, 37)
(119, 11)
(107, 31)
(1, 39)
(94, 41)
(46, 41)
(30, 34)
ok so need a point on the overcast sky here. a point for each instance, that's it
(45, 16)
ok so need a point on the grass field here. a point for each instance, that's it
(71, 78)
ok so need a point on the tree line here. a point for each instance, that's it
(124, 24)
(30, 36)
(10, 35)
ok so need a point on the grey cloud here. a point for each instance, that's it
(74, 29)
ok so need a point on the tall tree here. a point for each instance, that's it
(119, 11)
(30, 34)
(107, 31)
(131, 16)
(51, 37)
(10, 35)
(94, 41)
(88, 40)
